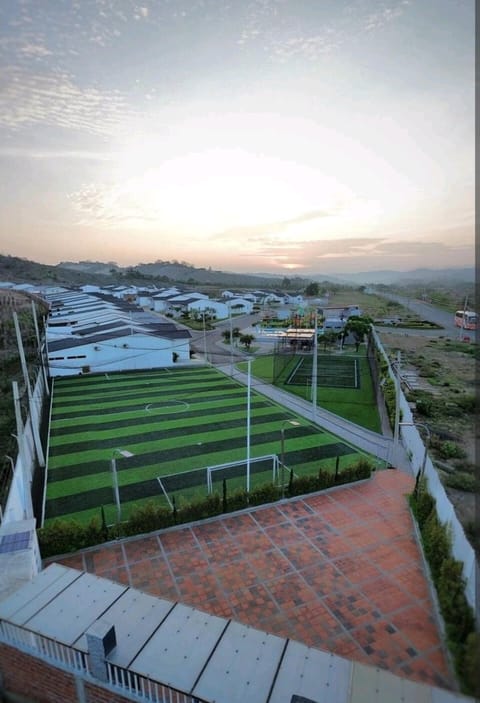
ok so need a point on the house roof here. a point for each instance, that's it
(165, 331)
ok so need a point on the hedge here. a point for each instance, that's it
(64, 536)
(462, 638)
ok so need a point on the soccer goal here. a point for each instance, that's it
(262, 469)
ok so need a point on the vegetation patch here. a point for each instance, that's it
(447, 575)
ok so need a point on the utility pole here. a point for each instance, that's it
(396, 430)
(314, 369)
(249, 385)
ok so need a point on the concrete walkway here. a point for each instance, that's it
(371, 442)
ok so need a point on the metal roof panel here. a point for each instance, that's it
(35, 595)
(73, 610)
(177, 651)
(242, 666)
(135, 616)
(313, 674)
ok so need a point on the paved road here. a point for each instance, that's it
(427, 312)
(218, 353)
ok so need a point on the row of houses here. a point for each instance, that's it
(100, 333)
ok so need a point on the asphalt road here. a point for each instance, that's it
(217, 353)
(427, 312)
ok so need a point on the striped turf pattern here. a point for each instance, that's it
(172, 421)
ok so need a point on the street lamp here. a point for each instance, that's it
(113, 464)
(294, 423)
(421, 471)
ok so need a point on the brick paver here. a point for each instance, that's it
(340, 571)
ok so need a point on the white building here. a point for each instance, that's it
(123, 349)
(240, 306)
(215, 308)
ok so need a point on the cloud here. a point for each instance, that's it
(371, 252)
(35, 50)
(282, 42)
(53, 98)
(260, 230)
(20, 153)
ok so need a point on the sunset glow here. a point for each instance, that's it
(251, 136)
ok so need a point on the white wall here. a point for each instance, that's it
(19, 502)
(130, 352)
(220, 309)
(245, 306)
(414, 444)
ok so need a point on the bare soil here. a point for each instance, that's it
(446, 375)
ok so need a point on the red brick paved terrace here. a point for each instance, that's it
(338, 570)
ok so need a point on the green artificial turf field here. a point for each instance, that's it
(172, 421)
(343, 388)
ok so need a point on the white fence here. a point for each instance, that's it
(19, 502)
(413, 443)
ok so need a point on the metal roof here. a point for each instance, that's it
(75, 608)
(313, 674)
(177, 652)
(136, 616)
(73, 342)
(209, 657)
(243, 663)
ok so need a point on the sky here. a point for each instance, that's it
(277, 136)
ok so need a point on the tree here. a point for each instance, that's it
(286, 283)
(328, 338)
(312, 289)
(246, 340)
(359, 327)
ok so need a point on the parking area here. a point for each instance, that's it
(338, 570)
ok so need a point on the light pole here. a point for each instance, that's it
(421, 471)
(204, 337)
(113, 465)
(294, 423)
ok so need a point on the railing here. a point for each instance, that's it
(130, 683)
(145, 688)
(45, 647)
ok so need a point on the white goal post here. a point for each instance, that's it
(234, 469)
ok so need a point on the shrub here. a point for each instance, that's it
(470, 664)
(146, 518)
(436, 541)
(63, 536)
(448, 578)
(206, 507)
(424, 504)
(468, 403)
(424, 406)
(264, 494)
(462, 481)
(450, 450)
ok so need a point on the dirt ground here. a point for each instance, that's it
(424, 357)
